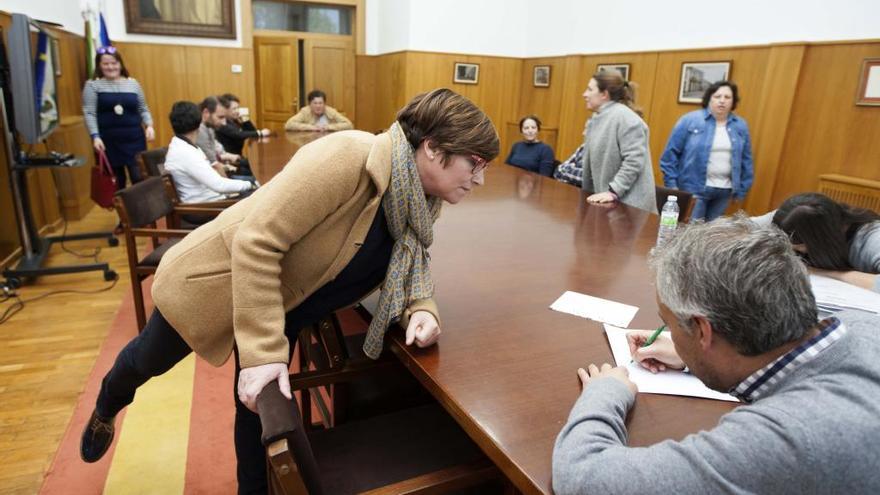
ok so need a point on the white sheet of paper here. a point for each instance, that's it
(835, 295)
(665, 382)
(595, 308)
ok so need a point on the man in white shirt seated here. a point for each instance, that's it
(194, 176)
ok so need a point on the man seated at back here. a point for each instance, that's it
(236, 131)
(742, 319)
(213, 117)
(318, 116)
(194, 176)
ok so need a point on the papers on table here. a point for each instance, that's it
(833, 295)
(665, 382)
(595, 308)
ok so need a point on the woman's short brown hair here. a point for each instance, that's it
(451, 122)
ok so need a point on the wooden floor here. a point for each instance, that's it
(47, 351)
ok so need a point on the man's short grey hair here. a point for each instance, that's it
(744, 278)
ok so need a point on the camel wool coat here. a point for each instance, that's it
(236, 276)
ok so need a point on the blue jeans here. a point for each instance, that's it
(711, 203)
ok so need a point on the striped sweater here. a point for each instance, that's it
(121, 85)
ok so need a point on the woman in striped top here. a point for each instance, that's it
(116, 112)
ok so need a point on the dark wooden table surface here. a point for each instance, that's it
(269, 155)
(505, 366)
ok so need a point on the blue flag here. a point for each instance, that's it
(40, 68)
(104, 36)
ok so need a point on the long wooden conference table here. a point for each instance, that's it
(505, 366)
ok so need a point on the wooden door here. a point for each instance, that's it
(277, 64)
(330, 66)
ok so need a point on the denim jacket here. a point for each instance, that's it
(686, 157)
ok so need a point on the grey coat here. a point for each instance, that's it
(616, 155)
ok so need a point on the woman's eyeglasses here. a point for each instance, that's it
(105, 50)
(479, 164)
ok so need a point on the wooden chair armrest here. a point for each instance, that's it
(141, 232)
(225, 203)
(276, 414)
(187, 209)
(442, 481)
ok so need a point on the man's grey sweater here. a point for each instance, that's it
(815, 431)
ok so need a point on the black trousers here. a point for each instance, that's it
(158, 348)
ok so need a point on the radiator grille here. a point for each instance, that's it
(853, 191)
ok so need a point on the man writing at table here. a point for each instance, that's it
(743, 319)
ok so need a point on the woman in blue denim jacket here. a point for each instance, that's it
(710, 153)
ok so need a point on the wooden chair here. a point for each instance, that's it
(177, 221)
(150, 162)
(139, 207)
(415, 451)
(684, 199)
(391, 388)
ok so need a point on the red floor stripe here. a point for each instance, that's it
(68, 473)
(210, 464)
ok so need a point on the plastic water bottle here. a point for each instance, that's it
(668, 220)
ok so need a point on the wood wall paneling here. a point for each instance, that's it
(497, 92)
(545, 103)
(773, 115)
(827, 132)
(381, 83)
(170, 73)
(330, 66)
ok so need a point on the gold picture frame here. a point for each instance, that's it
(199, 18)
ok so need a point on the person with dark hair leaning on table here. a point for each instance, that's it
(742, 318)
(834, 239)
(530, 153)
(349, 213)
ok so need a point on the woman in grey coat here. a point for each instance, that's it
(617, 163)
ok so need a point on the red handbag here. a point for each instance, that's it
(103, 182)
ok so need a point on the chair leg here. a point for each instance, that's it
(138, 294)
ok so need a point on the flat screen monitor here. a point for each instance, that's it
(34, 89)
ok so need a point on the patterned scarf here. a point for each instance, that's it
(411, 219)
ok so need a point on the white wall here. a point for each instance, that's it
(67, 13)
(521, 28)
(489, 27)
(387, 26)
(64, 12)
(528, 28)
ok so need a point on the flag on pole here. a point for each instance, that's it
(44, 84)
(97, 35)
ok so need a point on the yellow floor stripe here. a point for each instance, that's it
(151, 451)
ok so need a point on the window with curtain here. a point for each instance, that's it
(299, 16)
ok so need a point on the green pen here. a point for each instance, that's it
(654, 336)
(651, 339)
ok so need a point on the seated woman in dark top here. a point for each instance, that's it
(531, 154)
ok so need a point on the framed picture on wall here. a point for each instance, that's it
(466, 73)
(202, 18)
(622, 68)
(697, 76)
(541, 76)
(869, 83)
